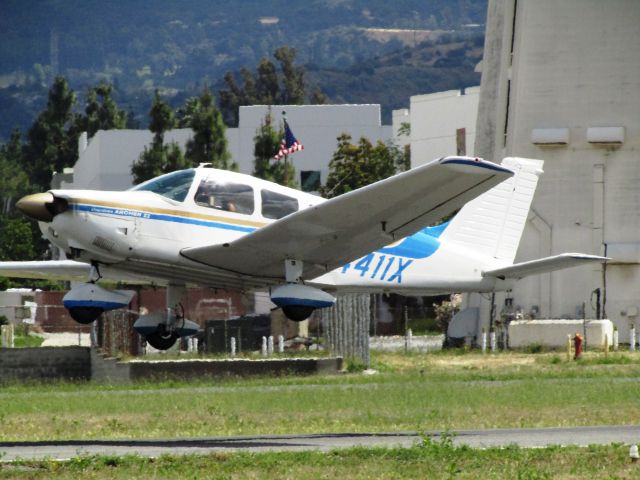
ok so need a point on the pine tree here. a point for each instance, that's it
(158, 158)
(52, 139)
(267, 86)
(293, 92)
(101, 111)
(209, 142)
(14, 182)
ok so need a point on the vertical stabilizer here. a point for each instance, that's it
(492, 224)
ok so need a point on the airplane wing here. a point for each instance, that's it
(347, 227)
(72, 271)
(543, 265)
(46, 269)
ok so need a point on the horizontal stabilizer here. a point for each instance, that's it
(543, 265)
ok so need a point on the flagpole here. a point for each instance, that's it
(286, 170)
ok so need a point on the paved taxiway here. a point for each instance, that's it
(525, 437)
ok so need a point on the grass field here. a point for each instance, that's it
(432, 461)
(412, 392)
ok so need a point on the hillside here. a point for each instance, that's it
(349, 47)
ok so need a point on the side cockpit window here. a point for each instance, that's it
(228, 196)
(276, 205)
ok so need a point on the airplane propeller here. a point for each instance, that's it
(42, 206)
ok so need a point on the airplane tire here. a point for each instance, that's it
(85, 315)
(297, 313)
(161, 340)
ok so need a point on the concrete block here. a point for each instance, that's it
(553, 333)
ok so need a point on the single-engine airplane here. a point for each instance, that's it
(228, 230)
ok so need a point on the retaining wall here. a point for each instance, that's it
(45, 363)
(84, 363)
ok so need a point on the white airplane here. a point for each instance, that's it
(223, 229)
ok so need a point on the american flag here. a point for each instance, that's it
(289, 143)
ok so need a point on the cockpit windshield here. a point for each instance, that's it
(173, 185)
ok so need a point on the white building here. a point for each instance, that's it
(561, 82)
(315, 126)
(435, 120)
(105, 160)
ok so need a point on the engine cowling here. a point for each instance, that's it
(86, 302)
(298, 302)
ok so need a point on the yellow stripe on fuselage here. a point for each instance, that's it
(167, 211)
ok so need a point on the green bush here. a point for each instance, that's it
(534, 348)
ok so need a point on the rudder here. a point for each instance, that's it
(492, 224)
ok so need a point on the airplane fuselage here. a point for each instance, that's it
(142, 233)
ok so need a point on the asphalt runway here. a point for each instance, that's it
(524, 437)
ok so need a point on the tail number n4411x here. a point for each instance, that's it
(381, 267)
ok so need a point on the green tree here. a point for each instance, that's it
(101, 111)
(185, 113)
(161, 119)
(209, 142)
(230, 99)
(14, 182)
(266, 145)
(15, 239)
(318, 98)
(403, 153)
(354, 166)
(293, 91)
(52, 139)
(17, 244)
(267, 86)
(158, 158)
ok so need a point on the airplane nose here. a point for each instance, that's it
(36, 206)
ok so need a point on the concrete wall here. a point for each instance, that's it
(417, 343)
(553, 333)
(569, 65)
(12, 305)
(434, 120)
(160, 370)
(83, 363)
(45, 363)
(105, 160)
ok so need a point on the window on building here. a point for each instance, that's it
(276, 205)
(173, 185)
(228, 196)
(310, 180)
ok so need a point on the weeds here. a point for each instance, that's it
(435, 458)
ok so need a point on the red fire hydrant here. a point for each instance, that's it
(577, 346)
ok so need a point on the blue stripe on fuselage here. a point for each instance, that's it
(422, 244)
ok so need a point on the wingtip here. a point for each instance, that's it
(477, 164)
